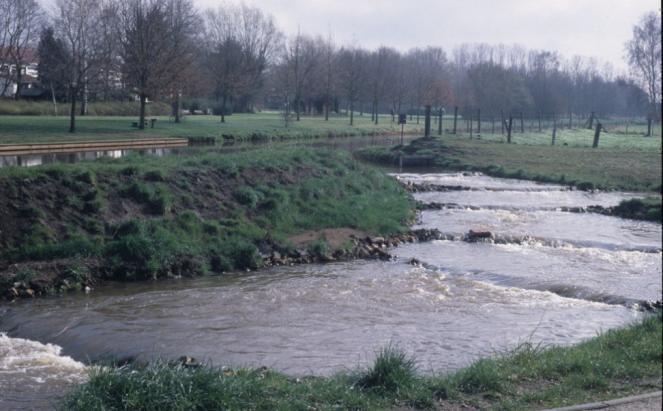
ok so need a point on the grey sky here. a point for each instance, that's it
(593, 28)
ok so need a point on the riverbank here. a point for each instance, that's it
(69, 226)
(583, 168)
(616, 363)
(259, 126)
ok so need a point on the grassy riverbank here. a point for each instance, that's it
(585, 168)
(266, 125)
(615, 363)
(145, 217)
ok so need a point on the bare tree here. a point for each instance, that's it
(241, 42)
(302, 58)
(644, 56)
(155, 45)
(20, 24)
(351, 64)
(77, 24)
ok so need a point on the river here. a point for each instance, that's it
(553, 278)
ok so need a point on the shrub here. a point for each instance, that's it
(157, 198)
(479, 377)
(392, 371)
(319, 248)
(246, 196)
(585, 186)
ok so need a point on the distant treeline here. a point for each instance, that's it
(235, 58)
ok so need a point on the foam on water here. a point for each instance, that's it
(33, 375)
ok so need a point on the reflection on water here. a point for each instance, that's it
(31, 160)
(347, 143)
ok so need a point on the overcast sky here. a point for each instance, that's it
(593, 28)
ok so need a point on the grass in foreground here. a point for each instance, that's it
(615, 363)
(586, 168)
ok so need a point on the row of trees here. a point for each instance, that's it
(237, 57)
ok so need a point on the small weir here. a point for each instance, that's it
(545, 276)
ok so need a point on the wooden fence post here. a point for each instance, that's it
(597, 134)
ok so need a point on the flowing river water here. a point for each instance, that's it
(553, 278)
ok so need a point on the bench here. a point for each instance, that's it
(151, 121)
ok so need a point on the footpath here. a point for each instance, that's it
(642, 402)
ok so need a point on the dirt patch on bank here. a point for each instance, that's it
(335, 237)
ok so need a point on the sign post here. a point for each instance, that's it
(402, 120)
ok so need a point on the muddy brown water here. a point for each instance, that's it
(562, 279)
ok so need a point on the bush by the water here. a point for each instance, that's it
(643, 209)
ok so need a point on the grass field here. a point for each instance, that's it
(613, 364)
(637, 168)
(45, 129)
(578, 137)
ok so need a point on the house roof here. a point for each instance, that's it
(30, 55)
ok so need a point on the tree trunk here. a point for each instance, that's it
(478, 122)
(143, 103)
(327, 107)
(539, 122)
(376, 112)
(439, 123)
(522, 123)
(55, 103)
(455, 118)
(591, 121)
(649, 121)
(352, 113)
(72, 113)
(19, 78)
(177, 107)
(298, 108)
(508, 130)
(470, 124)
(84, 99)
(223, 108)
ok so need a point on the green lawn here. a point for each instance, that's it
(636, 168)
(577, 137)
(44, 129)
